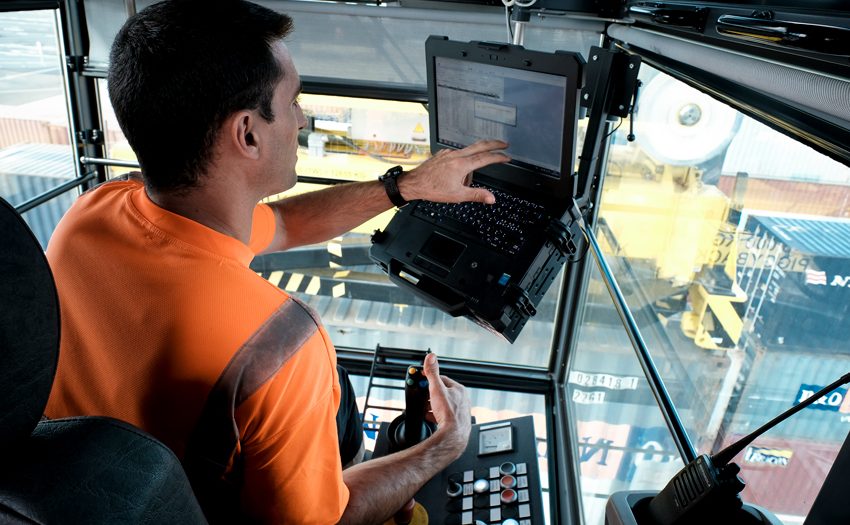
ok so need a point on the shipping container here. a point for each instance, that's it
(796, 272)
(29, 170)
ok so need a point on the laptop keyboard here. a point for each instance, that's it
(502, 225)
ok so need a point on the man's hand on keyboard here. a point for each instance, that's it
(444, 177)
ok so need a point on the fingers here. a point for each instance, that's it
(480, 195)
(480, 154)
(444, 177)
(432, 372)
(482, 146)
(479, 160)
(449, 382)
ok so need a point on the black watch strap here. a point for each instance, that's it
(390, 181)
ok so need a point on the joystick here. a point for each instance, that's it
(411, 427)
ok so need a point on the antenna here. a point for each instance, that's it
(725, 456)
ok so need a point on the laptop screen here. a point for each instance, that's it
(528, 98)
(476, 101)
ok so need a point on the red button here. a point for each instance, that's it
(508, 496)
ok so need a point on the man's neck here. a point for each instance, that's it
(225, 212)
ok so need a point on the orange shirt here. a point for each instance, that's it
(158, 311)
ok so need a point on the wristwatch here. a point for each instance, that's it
(390, 181)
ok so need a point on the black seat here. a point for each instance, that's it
(74, 470)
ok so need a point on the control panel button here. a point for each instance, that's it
(466, 518)
(524, 510)
(508, 496)
(510, 521)
(495, 515)
(494, 472)
(507, 482)
(523, 496)
(522, 482)
(521, 468)
(494, 485)
(507, 468)
(467, 489)
(467, 503)
(454, 489)
(481, 486)
(467, 476)
(495, 500)
(524, 522)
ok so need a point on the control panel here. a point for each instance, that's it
(495, 481)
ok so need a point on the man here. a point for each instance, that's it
(163, 323)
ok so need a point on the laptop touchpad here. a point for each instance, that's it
(442, 250)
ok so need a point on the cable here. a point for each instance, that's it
(613, 130)
(631, 136)
(508, 4)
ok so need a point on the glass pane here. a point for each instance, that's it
(358, 139)
(387, 45)
(35, 155)
(116, 144)
(369, 43)
(731, 243)
(623, 441)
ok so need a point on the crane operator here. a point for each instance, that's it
(165, 326)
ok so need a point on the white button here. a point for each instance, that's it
(510, 521)
(522, 482)
(524, 510)
(520, 468)
(468, 476)
(495, 514)
(467, 503)
(481, 485)
(523, 496)
(495, 500)
(467, 489)
(494, 472)
(466, 518)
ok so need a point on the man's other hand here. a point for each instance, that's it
(445, 177)
(450, 406)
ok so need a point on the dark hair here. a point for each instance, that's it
(179, 68)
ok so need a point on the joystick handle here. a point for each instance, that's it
(410, 427)
(416, 399)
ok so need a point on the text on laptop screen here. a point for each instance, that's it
(478, 101)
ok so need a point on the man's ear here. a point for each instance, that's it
(242, 134)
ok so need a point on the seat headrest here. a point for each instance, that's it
(29, 328)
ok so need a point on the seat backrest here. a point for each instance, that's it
(72, 470)
(29, 329)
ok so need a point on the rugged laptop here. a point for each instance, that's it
(493, 263)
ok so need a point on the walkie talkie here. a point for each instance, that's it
(707, 489)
